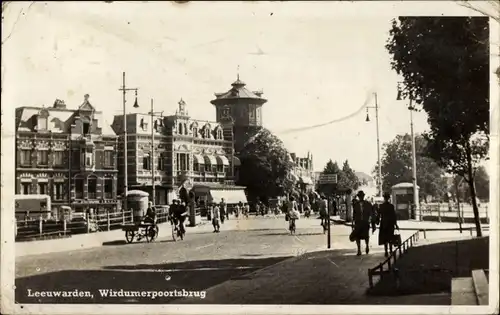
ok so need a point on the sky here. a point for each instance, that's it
(316, 62)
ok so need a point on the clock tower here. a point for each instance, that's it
(244, 107)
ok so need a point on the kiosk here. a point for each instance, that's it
(402, 197)
(137, 202)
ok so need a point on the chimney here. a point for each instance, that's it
(59, 104)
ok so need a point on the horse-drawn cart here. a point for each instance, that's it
(140, 230)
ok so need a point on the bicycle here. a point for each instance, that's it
(176, 231)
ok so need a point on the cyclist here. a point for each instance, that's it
(150, 216)
(178, 215)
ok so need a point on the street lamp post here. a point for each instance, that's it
(124, 89)
(378, 144)
(412, 109)
(153, 182)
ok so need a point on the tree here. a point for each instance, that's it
(397, 166)
(348, 178)
(445, 65)
(482, 184)
(330, 168)
(265, 166)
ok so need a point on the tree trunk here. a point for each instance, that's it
(472, 189)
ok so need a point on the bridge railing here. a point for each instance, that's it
(387, 266)
(39, 229)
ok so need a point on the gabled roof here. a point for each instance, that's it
(59, 119)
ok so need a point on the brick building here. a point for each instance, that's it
(67, 154)
(188, 154)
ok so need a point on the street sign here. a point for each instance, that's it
(327, 178)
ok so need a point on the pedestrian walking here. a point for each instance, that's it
(223, 209)
(246, 210)
(362, 215)
(216, 217)
(237, 209)
(323, 210)
(388, 222)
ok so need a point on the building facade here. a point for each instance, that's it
(187, 154)
(303, 171)
(245, 109)
(67, 154)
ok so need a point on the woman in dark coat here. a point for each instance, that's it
(388, 222)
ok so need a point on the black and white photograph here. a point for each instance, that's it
(260, 157)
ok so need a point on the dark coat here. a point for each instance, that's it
(362, 219)
(388, 222)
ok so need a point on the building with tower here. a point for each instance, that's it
(244, 107)
(189, 155)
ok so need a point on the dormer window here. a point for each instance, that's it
(86, 128)
(219, 134)
(195, 132)
(42, 120)
(207, 133)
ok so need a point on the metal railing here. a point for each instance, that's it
(39, 229)
(393, 257)
(396, 254)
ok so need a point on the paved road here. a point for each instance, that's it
(202, 260)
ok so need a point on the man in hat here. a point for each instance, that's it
(363, 215)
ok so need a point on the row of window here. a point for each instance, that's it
(59, 157)
(58, 189)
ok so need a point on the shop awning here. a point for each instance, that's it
(222, 160)
(236, 161)
(210, 160)
(230, 196)
(306, 180)
(198, 159)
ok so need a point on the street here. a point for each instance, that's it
(202, 260)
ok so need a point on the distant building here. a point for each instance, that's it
(68, 154)
(188, 154)
(245, 109)
(303, 171)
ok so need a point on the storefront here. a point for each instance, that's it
(211, 192)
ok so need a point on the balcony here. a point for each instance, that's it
(92, 195)
(108, 195)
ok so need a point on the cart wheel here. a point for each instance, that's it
(152, 233)
(174, 233)
(129, 236)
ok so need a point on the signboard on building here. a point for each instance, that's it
(327, 179)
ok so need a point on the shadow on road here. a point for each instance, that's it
(430, 268)
(111, 243)
(188, 275)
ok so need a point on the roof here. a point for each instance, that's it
(239, 91)
(59, 118)
(403, 185)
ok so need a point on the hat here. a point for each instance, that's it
(360, 193)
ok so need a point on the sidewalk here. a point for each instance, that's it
(421, 225)
(334, 276)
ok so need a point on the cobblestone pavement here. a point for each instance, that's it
(202, 260)
(221, 263)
